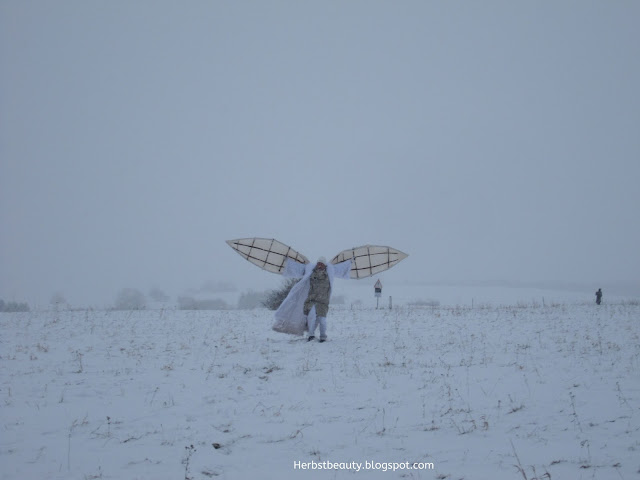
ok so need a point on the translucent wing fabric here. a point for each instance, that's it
(267, 253)
(369, 259)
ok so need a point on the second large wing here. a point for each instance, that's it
(368, 260)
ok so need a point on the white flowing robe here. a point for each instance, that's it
(290, 317)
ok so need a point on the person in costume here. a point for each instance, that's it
(307, 305)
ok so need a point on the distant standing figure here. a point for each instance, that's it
(599, 296)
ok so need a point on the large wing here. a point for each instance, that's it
(369, 259)
(267, 253)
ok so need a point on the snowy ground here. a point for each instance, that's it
(491, 392)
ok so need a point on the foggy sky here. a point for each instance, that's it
(489, 140)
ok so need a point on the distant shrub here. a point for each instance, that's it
(130, 299)
(58, 300)
(13, 307)
(190, 303)
(274, 298)
(158, 295)
(424, 303)
(250, 300)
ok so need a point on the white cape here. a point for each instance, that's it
(290, 316)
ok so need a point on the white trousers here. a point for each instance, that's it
(313, 322)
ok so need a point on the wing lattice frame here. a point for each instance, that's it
(266, 253)
(369, 260)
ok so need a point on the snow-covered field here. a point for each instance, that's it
(493, 392)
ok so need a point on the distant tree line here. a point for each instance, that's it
(13, 306)
(190, 303)
(133, 299)
(250, 300)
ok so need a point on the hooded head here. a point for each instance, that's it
(322, 262)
